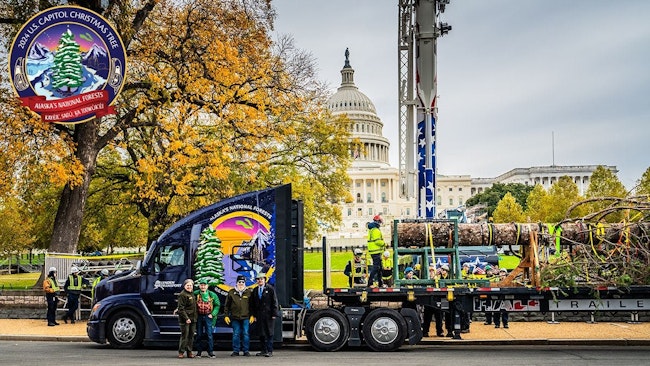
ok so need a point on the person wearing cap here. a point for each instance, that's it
(264, 307)
(207, 305)
(376, 247)
(409, 274)
(72, 288)
(186, 311)
(387, 269)
(237, 313)
(103, 274)
(51, 288)
(355, 269)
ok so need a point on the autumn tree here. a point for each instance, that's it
(562, 195)
(227, 112)
(508, 210)
(538, 204)
(75, 147)
(603, 186)
(212, 107)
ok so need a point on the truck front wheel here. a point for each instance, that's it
(327, 330)
(125, 330)
(384, 330)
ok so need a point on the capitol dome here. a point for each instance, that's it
(367, 126)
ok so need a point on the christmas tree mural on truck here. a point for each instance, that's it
(67, 73)
(209, 258)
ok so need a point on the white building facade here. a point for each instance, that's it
(374, 184)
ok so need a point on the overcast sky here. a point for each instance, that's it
(511, 75)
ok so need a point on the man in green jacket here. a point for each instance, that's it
(237, 312)
(207, 305)
(376, 247)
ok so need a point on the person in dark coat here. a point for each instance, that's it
(187, 315)
(264, 307)
(72, 287)
(237, 311)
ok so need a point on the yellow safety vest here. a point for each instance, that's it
(53, 284)
(375, 241)
(75, 285)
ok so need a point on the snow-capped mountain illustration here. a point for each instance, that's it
(39, 52)
(97, 59)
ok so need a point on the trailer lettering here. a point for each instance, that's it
(591, 305)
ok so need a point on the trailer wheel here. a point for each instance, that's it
(125, 330)
(327, 330)
(384, 330)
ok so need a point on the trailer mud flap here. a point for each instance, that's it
(354, 315)
(413, 325)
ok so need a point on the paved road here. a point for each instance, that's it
(84, 353)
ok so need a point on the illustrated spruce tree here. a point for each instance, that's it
(67, 73)
(209, 258)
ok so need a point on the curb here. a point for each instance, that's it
(42, 338)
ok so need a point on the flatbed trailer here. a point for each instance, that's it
(384, 319)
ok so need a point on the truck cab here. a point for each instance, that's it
(259, 232)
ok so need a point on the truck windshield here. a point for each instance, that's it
(171, 255)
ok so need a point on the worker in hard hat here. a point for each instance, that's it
(356, 269)
(51, 288)
(376, 247)
(103, 274)
(72, 287)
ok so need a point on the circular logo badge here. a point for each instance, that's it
(67, 64)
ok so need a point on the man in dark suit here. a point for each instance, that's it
(264, 307)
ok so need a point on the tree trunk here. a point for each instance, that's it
(69, 216)
(442, 233)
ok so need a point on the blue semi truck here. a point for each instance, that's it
(260, 232)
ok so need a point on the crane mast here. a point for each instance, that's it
(419, 28)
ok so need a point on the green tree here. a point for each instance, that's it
(538, 205)
(15, 228)
(508, 210)
(605, 185)
(491, 196)
(643, 184)
(562, 195)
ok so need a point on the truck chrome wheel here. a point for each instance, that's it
(125, 330)
(384, 330)
(327, 330)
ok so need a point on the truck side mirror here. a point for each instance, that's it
(143, 269)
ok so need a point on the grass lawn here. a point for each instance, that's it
(314, 267)
(508, 262)
(18, 281)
